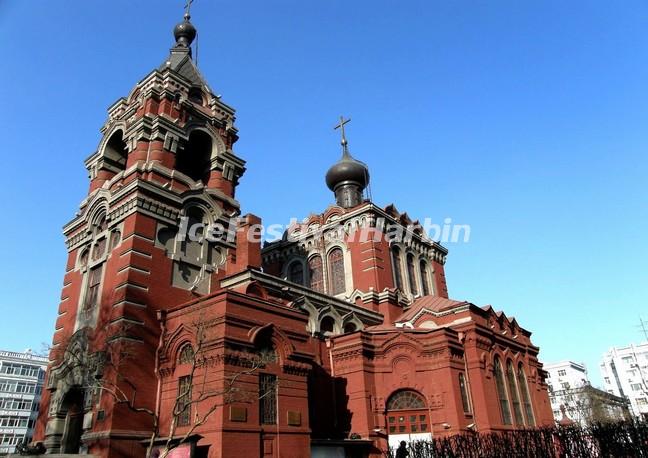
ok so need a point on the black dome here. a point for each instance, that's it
(184, 32)
(347, 170)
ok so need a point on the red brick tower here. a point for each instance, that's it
(165, 153)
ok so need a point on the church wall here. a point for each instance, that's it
(233, 320)
(428, 363)
(440, 285)
(483, 339)
(370, 260)
(136, 282)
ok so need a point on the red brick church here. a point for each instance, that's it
(335, 341)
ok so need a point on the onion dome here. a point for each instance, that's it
(184, 32)
(347, 170)
(348, 177)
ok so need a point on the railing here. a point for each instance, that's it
(628, 439)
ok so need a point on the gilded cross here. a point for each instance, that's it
(341, 127)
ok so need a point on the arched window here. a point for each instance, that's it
(116, 151)
(425, 278)
(405, 400)
(336, 271)
(186, 355)
(194, 160)
(195, 95)
(513, 391)
(407, 413)
(101, 224)
(115, 238)
(398, 270)
(465, 396)
(83, 260)
(97, 255)
(526, 399)
(316, 273)
(501, 392)
(350, 327)
(296, 272)
(327, 325)
(265, 347)
(99, 247)
(411, 273)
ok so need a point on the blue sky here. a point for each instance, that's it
(527, 120)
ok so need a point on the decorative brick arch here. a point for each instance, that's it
(256, 289)
(97, 207)
(104, 148)
(401, 340)
(281, 343)
(218, 145)
(329, 311)
(180, 337)
(407, 412)
(351, 319)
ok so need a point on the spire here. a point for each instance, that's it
(348, 177)
(180, 57)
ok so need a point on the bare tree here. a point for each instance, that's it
(102, 371)
(589, 405)
(195, 397)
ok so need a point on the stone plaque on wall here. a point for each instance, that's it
(238, 414)
(294, 418)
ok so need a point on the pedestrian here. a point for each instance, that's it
(401, 451)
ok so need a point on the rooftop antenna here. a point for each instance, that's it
(644, 329)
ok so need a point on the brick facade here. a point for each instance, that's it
(366, 344)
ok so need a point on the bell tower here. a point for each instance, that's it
(165, 163)
(173, 119)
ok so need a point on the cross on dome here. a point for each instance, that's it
(343, 142)
(188, 7)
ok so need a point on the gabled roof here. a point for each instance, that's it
(432, 303)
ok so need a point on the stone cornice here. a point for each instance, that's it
(299, 292)
(143, 196)
(365, 216)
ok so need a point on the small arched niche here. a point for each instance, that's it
(116, 151)
(350, 327)
(327, 325)
(195, 159)
(196, 95)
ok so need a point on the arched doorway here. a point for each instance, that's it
(72, 407)
(407, 418)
